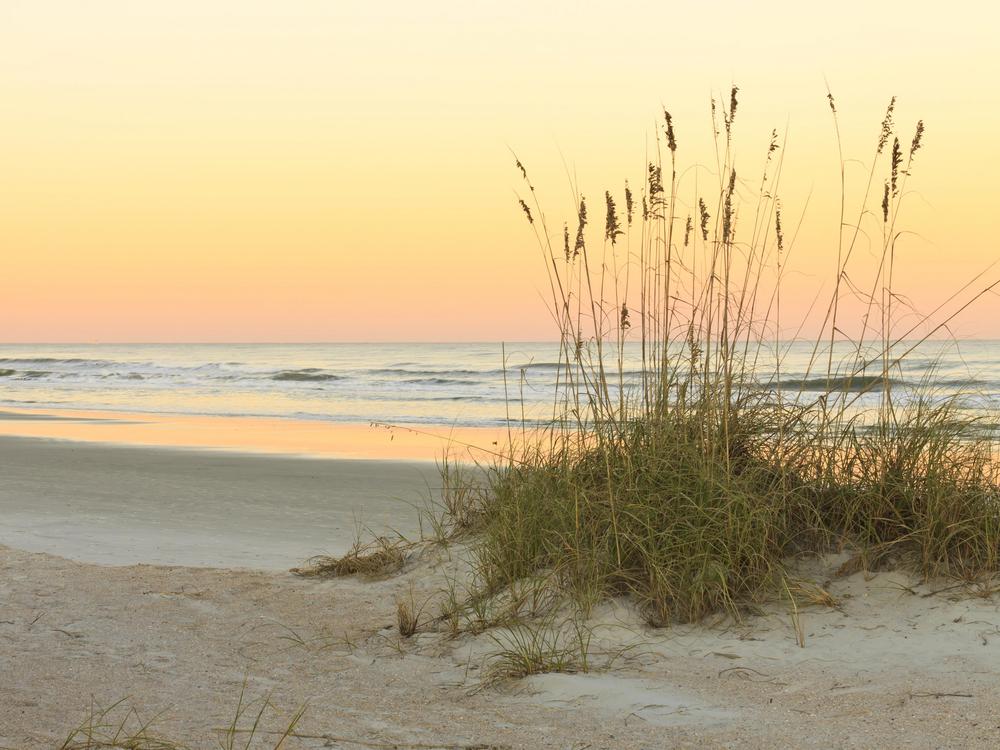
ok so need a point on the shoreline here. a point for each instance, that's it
(254, 435)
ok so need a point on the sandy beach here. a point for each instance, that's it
(889, 667)
(499, 376)
(158, 576)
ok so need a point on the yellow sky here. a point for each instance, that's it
(239, 170)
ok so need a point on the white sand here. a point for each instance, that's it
(889, 668)
(896, 664)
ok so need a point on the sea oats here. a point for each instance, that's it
(917, 138)
(612, 227)
(886, 126)
(730, 116)
(527, 211)
(778, 231)
(655, 180)
(581, 216)
(671, 140)
(727, 209)
(897, 159)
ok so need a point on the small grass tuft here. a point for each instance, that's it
(408, 615)
(537, 648)
(117, 727)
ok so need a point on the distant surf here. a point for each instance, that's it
(458, 384)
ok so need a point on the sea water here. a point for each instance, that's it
(465, 384)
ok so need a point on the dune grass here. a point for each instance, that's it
(679, 468)
(119, 727)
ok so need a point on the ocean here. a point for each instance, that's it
(460, 384)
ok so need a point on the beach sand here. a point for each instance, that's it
(897, 663)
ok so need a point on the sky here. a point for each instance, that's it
(332, 170)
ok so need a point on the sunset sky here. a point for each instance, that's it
(330, 170)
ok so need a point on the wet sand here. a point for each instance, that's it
(271, 435)
(122, 505)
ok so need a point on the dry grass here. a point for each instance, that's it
(117, 727)
(408, 614)
(406, 618)
(810, 594)
(379, 557)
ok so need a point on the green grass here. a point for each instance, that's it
(527, 649)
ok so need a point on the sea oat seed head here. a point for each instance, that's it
(524, 172)
(527, 211)
(581, 216)
(731, 116)
(917, 138)
(624, 322)
(778, 231)
(886, 126)
(612, 228)
(671, 140)
(655, 182)
(897, 159)
(727, 209)
(704, 216)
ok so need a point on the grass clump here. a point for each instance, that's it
(117, 727)
(694, 448)
(407, 619)
(408, 614)
(378, 557)
(538, 648)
